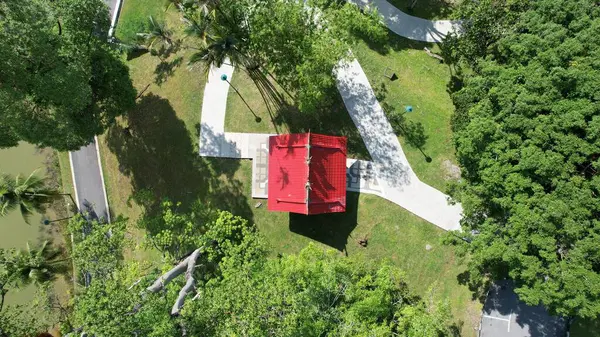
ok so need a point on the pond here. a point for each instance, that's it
(14, 231)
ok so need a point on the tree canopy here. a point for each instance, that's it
(60, 82)
(239, 289)
(527, 136)
(297, 43)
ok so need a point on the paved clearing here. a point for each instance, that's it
(505, 316)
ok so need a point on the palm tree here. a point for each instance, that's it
(158, 35)
(206, 7)
(30, 195)
(37, 265)
(219, 45)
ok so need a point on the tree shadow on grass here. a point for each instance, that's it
(332, 229)
(394, 42)
(157, 153)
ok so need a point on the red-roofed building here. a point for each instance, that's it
(307, 173)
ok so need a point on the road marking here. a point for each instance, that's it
(102, 179)
(509, 317)
(498, 318)
(73, 177)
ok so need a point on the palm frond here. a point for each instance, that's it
(6, 206)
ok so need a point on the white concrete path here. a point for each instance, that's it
(410, 26)
(214, 141)
(399, 182)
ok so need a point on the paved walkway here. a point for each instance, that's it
(410, 26)
(215, 142)
(399, 182)
(389, 175)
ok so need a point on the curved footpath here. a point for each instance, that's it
(409, 26)
(389, 175)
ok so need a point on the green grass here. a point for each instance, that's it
(427, 9)
(134, 16)
(421, 84)
(334, 120)
(239, 118)
(159, 154)
(65, 172)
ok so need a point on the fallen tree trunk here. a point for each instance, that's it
(167, 277)
(189, 284)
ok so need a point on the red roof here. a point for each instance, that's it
(307, 173)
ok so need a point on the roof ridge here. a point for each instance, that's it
(307, 186)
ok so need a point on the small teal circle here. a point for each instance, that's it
(408, 108)
(224, 77)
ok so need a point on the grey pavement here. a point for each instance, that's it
(504, 315)
(90, 192)
(87, 180)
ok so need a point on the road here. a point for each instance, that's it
(90, 191)
(504, 315)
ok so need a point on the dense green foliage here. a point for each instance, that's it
(177, 232)
(98, 246)
(29, 319)
(315, 293)
(112, 304)
(527, 137)
(109, 307)
(19, 268)
(298, 43)
(60, 83)
(241, 291)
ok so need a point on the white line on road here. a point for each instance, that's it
(498, 318)
(102, 179)
(73, 177)
(509, 317)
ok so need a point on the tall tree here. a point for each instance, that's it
(60, 82)
(296, 43)
(231, 287)
(314, 293)
(527, 135)
(18, 268)
(29, 195)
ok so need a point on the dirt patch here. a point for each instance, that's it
(451, 171)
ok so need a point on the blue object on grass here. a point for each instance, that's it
(408, 108)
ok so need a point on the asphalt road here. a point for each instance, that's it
(87, 175)
(88, 182)
(504, 315)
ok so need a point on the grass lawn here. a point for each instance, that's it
(427, 9)
(421, 84)
(239, 118)
(158, 153)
